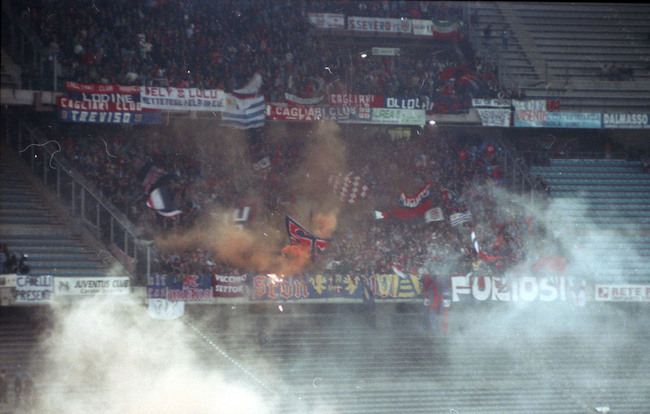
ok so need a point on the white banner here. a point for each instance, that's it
(622, 293)
(327, 20)
(166, 309)
(434, 214)
(8, 280)
(533, 105)
(182, 99)
(91, 285)
(422, 27)
(518, 289)
(398, 116)
(495, 116)
(491, 103)
(385, 51)
(33, 289)
(378, 24)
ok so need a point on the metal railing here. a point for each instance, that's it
(84, 203)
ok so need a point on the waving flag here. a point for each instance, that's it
(252, 88)
(244, 113)
(162, 202)
(349, 187)
(300, 235)
(457, 219)
(415, 206)
(486, 258)
(154, 185)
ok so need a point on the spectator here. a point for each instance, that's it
(4, 387)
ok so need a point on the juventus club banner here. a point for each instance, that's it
(183, 99)
(104, 104)
(91, 285)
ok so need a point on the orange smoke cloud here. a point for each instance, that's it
(324, 224)
(294, 259)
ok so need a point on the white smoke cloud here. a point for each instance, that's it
(106, 355)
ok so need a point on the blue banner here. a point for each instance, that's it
(105, 117)
(189, 288)
(545, 119)
(626, 121)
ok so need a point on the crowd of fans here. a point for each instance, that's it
(465, 176)
(221, 44)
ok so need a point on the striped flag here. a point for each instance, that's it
(244, 113)
(161, 201)
(459, 218)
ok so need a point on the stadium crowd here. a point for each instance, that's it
(222, 44)
(464, 173)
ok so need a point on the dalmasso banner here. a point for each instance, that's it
(626, 121)
(91, 285)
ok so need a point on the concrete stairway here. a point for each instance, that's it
(29, 226)
(605, 206)
(557, 50)
(507, 363)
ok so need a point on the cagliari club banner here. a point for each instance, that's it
(104, 104)
(344, 114)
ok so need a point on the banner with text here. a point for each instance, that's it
(622, 293)
(183, 99)
(379, 24)
(190, 288)
(104, 104)
(327, 20)
(494, 112)
(517, 289)
(626, 121)
(320, 286)
(356, 100)
(341, 114)
(227, 286)
(34, 289)
(91, 285)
